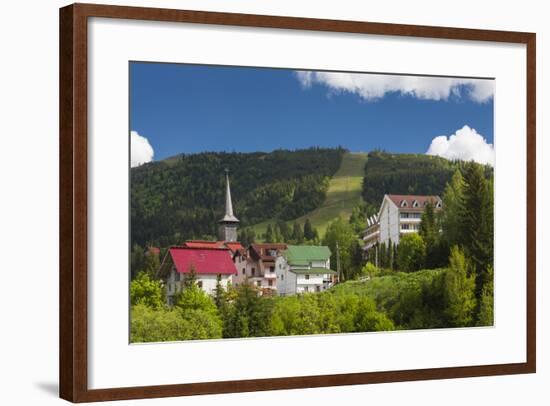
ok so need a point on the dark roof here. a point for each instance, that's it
(410, 199)
(261, 251)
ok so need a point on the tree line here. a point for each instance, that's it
(183, 197)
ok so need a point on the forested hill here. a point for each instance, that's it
(183, 197)
(415, 174)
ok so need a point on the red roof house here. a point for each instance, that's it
(205, 260)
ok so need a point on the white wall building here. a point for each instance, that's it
(208, 264)
(304, 269)
(398, 215)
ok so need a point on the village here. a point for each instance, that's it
(277, 268)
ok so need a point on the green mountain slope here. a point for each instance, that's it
(344, 193)
(183, 197)
(413, 174)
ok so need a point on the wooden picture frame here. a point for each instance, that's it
(73, 200)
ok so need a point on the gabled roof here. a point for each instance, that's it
(304, 254)
(261, 251)
(413, 201)
(204, 244)
(233, 246)
(205, 260)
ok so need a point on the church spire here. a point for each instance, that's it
(229, 216)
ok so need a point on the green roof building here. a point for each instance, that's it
(304, 269)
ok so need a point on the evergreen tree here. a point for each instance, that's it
(268, 236)
(308, 230)
(249, 314)
(190, 278)
(382, 256)
(277, 236)
(219, 293)
(477, 221)
(137, 260)
(151, 265)
(459, 290)
(389, 254)
(284, 230)
(429, 231)
(297, 233)
(486, 305)
(247, 236)
(451, 221)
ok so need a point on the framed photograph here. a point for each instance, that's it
(256, 202)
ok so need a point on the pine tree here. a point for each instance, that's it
(285, 230)
(297, 234)
(389, 252)
(459, 290)
(308, 230)
(268, 237)
(486, 305)
(428, 228)
(429, 231)
(219, 294)
(190, 279)
(382, 255)
(477, 221)
(277, 236)
(451, 221)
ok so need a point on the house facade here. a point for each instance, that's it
(304, 269)
(398, 215)
(259, 266)
(209, 265)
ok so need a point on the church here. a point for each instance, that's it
(209, 260)
(271, 268)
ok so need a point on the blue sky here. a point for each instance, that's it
(192, 108)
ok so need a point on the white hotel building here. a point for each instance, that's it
(398, 215)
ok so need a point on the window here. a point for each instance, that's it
(403, 203)
(404, 226)
(270, 282)
(177, 277)
(271, 269)
(307, 277)
(199, 284)
(306, 289)
(438, 205)
(259, 284)
(244, 271)
(415, 203)
(282, 277)
(253, 271)
(318, 288)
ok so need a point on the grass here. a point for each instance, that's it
(344, 193)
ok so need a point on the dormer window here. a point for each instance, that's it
(403, 203)
(415, 203)
(438, 205)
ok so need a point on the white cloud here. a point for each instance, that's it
(140, 151)
(372, 86)
(465, 144)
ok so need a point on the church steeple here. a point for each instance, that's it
(228, 224)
